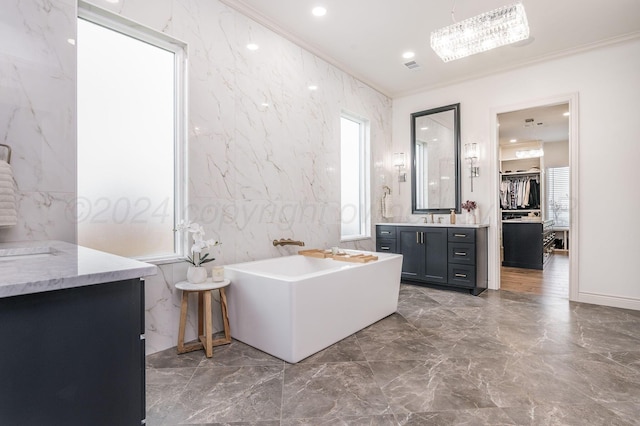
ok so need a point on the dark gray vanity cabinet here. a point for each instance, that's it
(445, 256)
(425, 253)
(74, 356)
(386, 238)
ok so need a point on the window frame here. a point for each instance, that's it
(127, 27)
(364, 177)
(551, 177)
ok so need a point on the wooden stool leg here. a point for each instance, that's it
(225, 315)
(200, 311)
(225, 321)
(183, 321)
(208, 325)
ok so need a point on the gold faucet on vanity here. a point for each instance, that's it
(287, 242)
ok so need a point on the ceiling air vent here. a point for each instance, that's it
(412, 65)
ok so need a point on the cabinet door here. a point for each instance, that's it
(73, 356)
(412, 249)
(435, 256)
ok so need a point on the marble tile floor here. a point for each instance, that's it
(445, 358)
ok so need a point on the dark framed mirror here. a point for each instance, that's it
(435, 156)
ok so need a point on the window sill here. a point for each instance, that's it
(358, 238)
(162, 260)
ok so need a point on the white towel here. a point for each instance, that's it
(8, 213)
(387, 206)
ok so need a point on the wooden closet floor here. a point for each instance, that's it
(552, 281)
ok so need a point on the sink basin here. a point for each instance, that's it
(25, 252)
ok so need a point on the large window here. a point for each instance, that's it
(130, 137)
(354, 177)
(558, 202)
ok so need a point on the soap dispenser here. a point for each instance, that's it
(453, 217)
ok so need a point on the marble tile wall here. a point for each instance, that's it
(257, 173)
(37, 115)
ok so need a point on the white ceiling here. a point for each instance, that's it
(366, 38)
(549, 125)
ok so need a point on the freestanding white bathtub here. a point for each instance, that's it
(294, 306)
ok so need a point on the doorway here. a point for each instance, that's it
(535, 155)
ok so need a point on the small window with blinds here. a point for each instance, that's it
(558, 201)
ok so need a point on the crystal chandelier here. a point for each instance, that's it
(502, 26)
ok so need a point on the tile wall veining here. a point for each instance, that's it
(257, 173)
(38, 117)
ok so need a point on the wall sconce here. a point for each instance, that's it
(399, 162)
(471, 155)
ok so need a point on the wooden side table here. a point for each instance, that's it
(205, 325)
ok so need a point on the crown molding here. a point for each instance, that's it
(540, 59)
(250, 12)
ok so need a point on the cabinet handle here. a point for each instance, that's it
(457, 253)
(461, 275)
(417, 238)
(385, 232)
(422, 238)
(384, 248)
(460, 235)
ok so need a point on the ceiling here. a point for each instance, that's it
(549, 124)
(366, 38)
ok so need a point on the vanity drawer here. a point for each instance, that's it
(462, 253)
(462, 235)
(462, 275)
(384, 245)
(383, 231)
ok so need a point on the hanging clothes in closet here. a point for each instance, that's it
(520, 192)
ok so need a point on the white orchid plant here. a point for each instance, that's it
(199, 243)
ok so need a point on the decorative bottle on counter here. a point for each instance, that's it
(453, 217)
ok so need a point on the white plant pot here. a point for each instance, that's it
(471, 218)
(196, 274)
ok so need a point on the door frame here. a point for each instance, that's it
(572, 100)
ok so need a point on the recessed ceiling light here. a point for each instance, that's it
(424, 128)
(408, 55)
(253, 46)
(319, 11)
(566, 114)
(435, 139)
(513, 140)
(313, 87)
(71, 41)
(113, 1)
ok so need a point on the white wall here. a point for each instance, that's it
(556, 154)
(37, 116)
(608, 84)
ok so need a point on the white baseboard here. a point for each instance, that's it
(607, 300)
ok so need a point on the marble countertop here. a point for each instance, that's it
(39, 266)
(437, 225)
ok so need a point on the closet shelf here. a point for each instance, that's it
(521, 173)
(520, 210)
